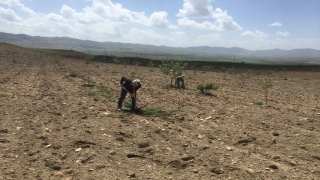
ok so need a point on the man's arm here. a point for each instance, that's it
(122, 80)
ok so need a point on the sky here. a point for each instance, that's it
(249, 24)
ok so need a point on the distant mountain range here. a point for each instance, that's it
(86, 45)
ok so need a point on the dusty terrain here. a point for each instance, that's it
(58, 120)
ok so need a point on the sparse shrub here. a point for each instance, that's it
(88, 85)
(151, 64)
(257, 103)
(223, 69)
(244, 77)
(207, 68)
(109, 96)
(231, 70)
(156, 112)
(13, 59)
(115, 60)
(269, 72)
(127, 104)
(160, 93)
(265, 85)
(205, 87)
(89, 57)
(132, 75)
(259, 72)
(63, 69)
(92, 94)
(155, 83)
(73, 75)
(225, 78)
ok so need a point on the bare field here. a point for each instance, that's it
(58, 120)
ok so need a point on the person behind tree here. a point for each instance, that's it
(128, 86)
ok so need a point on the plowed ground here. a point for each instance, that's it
(58, 120)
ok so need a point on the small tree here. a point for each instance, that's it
(265, 85)
(244, 77)
(173, 69)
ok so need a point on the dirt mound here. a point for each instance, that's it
(59, 121)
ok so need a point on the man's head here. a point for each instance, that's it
(136, 83)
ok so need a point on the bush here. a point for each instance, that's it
(205, 87)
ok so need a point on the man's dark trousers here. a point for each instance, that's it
(123, 94)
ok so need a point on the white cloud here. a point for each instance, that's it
(203, 9)
(69, 23)
(179, 34)
(196, 8)
(279, 33)
(9, 15)
(186, 22)
(256, 34)
(11, 2)
(159, 19)
(225, 22)
(275, 24)
(67, 12)
(206, 25)
(54, 17)
(86, 17)
(101, 21)
(17, 3)
(115, 12)
(109, 10)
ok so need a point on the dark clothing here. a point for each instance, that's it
(127, 84)
(127, 87)
(123, 94)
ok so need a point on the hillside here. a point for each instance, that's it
(306, 56)
(59, 121)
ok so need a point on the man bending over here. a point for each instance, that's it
(128, 86)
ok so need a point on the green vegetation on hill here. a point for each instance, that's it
(204, 64)
(203, 53)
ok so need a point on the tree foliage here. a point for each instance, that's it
(173, 69)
